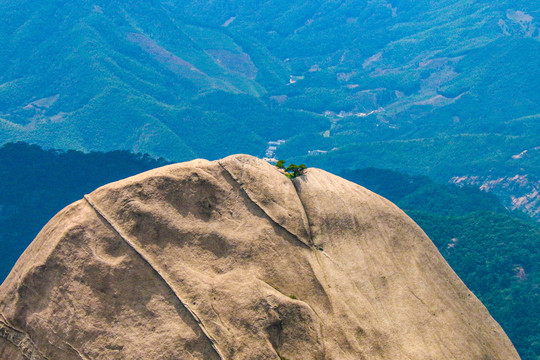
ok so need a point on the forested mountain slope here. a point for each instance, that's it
(170, 78)
(395, 84)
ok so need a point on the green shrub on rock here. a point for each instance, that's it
(292, 170)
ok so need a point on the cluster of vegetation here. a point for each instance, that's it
(495, 252)
(292, 170)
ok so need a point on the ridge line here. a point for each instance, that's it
(267, 215)
(146, 258)
(310, 234)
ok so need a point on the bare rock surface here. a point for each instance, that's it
(232, 260)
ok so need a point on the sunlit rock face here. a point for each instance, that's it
(232, 260)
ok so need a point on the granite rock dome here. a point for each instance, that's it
(232, 260)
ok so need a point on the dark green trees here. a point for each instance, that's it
(292, 170)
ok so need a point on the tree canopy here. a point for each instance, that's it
(292, 170)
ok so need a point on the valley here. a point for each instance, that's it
(330, 77)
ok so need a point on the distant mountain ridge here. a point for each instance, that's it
(519, 192)
(169, 78)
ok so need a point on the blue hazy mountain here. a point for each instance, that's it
(182, 80)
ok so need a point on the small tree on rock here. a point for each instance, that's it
(292, 170)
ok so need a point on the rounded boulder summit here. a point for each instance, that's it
(231, 259)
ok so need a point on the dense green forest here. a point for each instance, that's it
(495, 252)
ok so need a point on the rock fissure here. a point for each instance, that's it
(162, 275)
(79, 353)
(21, 341)
(310, 233)
(274, 221)
(4, 319)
